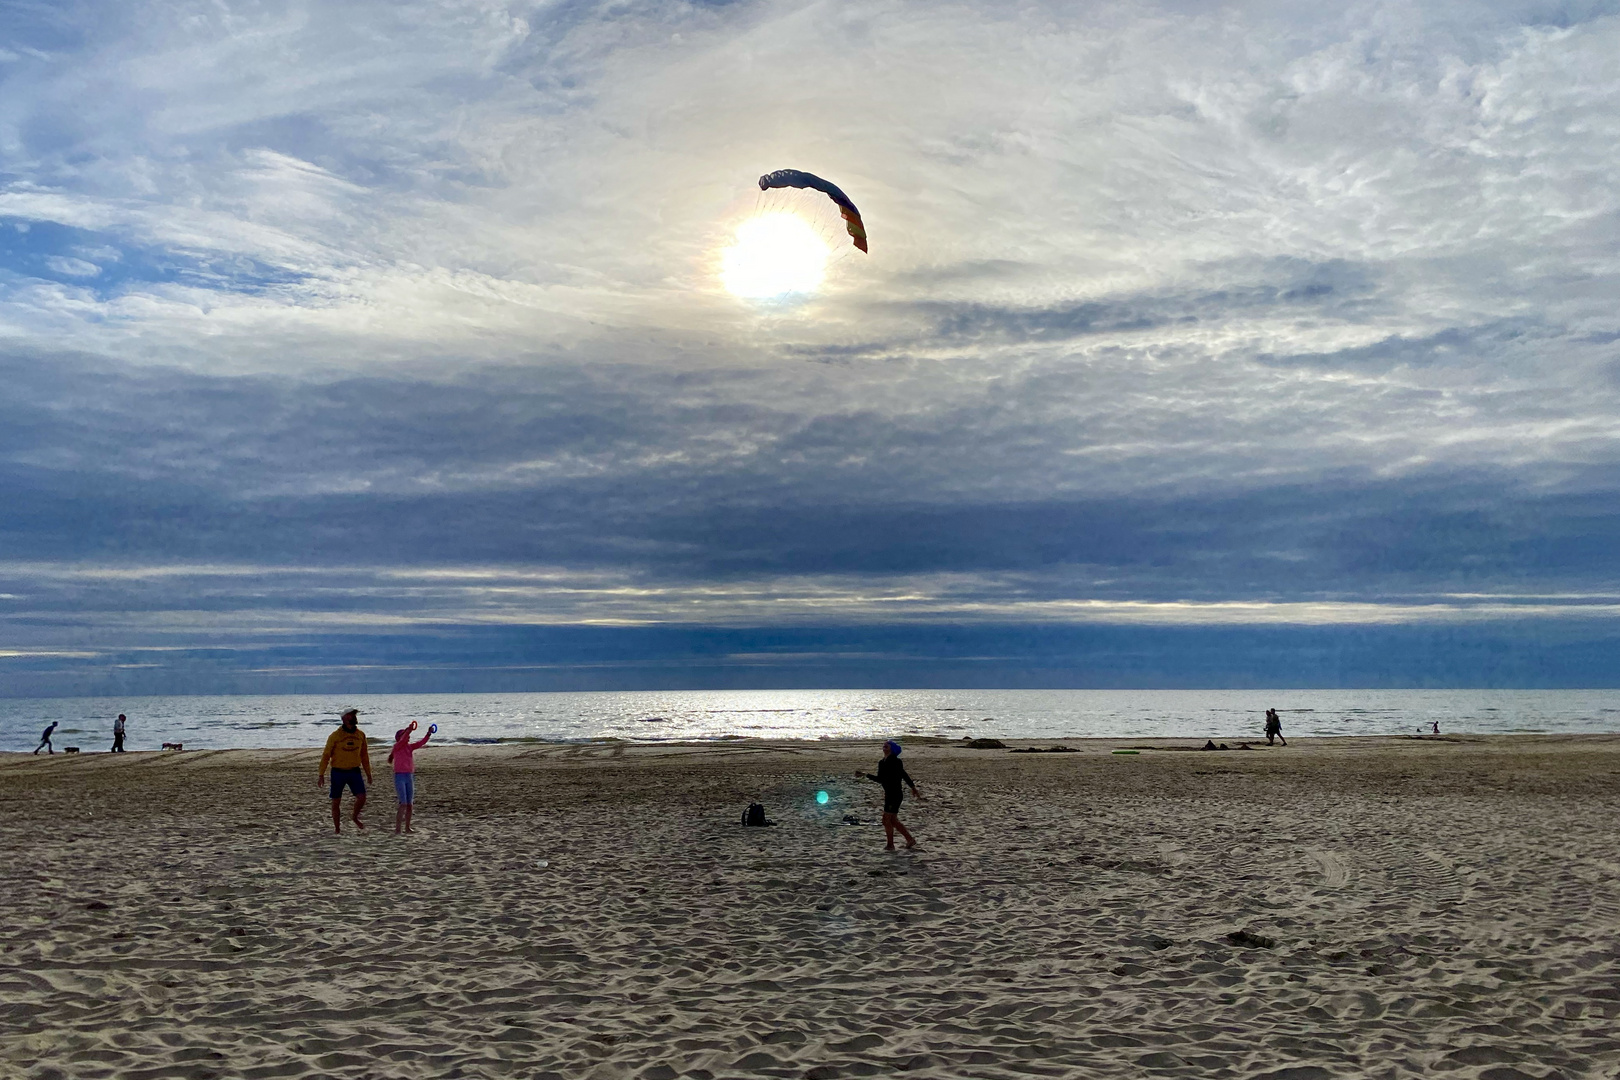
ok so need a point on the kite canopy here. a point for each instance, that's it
(794, 178)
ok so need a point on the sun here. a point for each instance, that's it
(774, 256)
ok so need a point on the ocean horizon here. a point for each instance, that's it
(296, 720)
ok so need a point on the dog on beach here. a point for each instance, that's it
(173, 746)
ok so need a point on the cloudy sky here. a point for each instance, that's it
(382, 346)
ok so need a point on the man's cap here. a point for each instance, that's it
(348, 712)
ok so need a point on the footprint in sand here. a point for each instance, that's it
(1334, 869)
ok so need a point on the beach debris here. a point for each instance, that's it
(755, 815)
(543, 863)
(1125, 752)
(1210, 745)
(851, 819)
(173, 746)
(1250, 940)
(97, 905)
(70, 749)
(1044, 750)
(983, 744)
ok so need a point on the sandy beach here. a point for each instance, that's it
(1338, 908)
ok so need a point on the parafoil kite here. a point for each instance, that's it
(794, 178)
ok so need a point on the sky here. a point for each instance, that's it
(383, 346)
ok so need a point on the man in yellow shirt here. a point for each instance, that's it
(346, 752)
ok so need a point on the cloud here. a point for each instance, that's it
(70, 267)
(1217, 315)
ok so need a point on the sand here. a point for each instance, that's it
(1355, 907)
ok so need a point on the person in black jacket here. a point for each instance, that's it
(892, 775)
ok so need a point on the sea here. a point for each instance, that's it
(303, 720)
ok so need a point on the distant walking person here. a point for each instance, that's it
(1274, 727)
(403, 758)
(118, 734)
(45, 739)
(346, 752)
(892, 775)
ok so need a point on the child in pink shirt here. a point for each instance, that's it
(403, 756)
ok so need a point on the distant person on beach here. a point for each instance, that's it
(45, 739)
(346, 752)
(891, 774)
(403, 758)
(118, 734)
(1274, 727)
(1436, 727)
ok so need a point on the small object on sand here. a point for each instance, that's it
(755, 815)
(1210, 745)
(97, 905)
(851, 819)
(173, 746)
(822, 798)
(70, 749)
(984, 744)
(543, 863)
(1250, 940)
(1123, 752)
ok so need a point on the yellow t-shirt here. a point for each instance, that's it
(346, 750)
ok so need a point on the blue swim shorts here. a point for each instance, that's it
(405, 787)
(353, 779)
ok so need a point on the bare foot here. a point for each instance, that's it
(910, 844)
(888, 847)
(410, 830)
(396, 830)
(359, 824)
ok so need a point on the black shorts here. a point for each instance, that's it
(892, 801)
(353, 779)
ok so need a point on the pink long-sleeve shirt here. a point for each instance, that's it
(405, 754)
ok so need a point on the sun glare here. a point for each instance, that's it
(774, 255)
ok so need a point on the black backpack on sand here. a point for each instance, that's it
(754, 815)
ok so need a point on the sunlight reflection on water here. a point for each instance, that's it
(657, 716)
